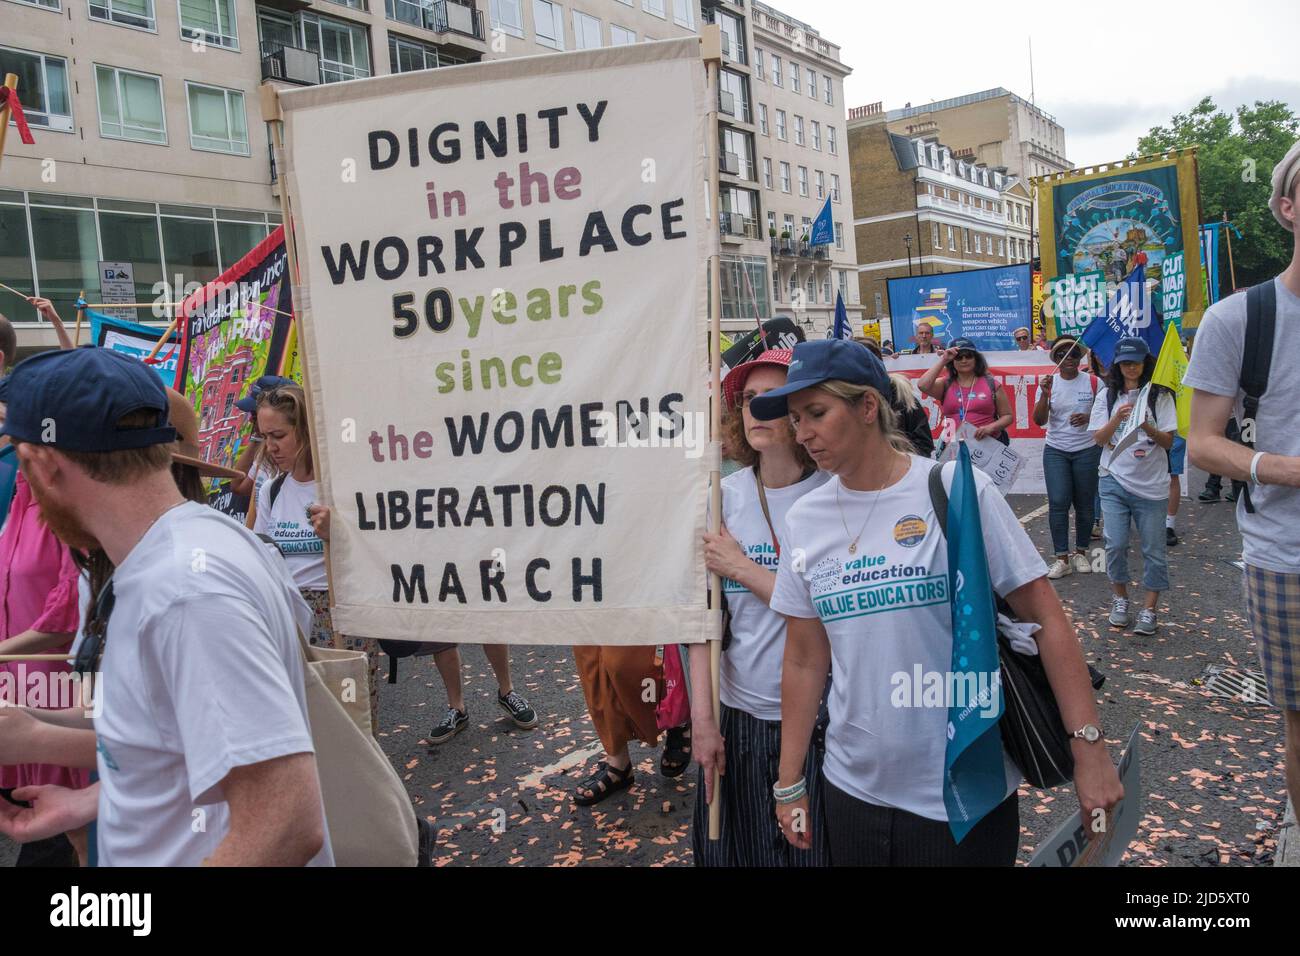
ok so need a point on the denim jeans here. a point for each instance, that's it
(1121, 510)
(1071, 478)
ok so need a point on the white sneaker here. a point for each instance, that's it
(1081, 563)
(1059, 569)
(1119, 612)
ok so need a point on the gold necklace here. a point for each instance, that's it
(853, 544)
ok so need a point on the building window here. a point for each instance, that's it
(42, 87)
(507, 16)
(733, 35)
(826, 289)
(830, 90)
(741, 144)
(842, 278)
(934, 235)
(803, 180)
(952, 240)
(738, 86)
(965, 240)
(776, 70)
(762, 119)
(683, 13)
(47, 4)
(548, 24)
(821, 185)
(621, 36)
(785, 177)
(798, 130)
(586, 31)
(771, 222)
(794, 76)
(780, 124)
(127, 13)
(811, 288)
(211, 21)
(830, 141)
(776, 284)
(343, 48)
(130, 105)
(654, 6)
(816, 135)
(835, 187)
(979, 243)
(405, 56)
(758, 65)
(812, 83)
(839, 236)
(789, 225)
(1002, 248)
(217, 121)
(767, 172)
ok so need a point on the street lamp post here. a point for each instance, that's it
(907, 240)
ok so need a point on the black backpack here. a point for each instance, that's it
(1256, 359)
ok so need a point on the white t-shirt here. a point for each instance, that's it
(751, 665)
(286, 523)
(1142, 468)
(886, 611)
(202, 673)
(1070, 397)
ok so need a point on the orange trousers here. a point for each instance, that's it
(614, 681)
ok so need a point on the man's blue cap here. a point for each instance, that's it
(72, 400)
(822, 361)
(264, 384)
(1131, 349)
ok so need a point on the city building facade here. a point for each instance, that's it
(919, 208)
(151, 150)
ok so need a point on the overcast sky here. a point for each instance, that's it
(1108, 71)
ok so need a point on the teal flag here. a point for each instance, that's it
(974, 779)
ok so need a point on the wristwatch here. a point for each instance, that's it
(1088, 732)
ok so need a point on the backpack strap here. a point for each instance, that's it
(1256, 359)
(276, 484)
(939, 498)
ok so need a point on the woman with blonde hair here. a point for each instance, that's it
(745, 745)
(289, 514)
(871, 593)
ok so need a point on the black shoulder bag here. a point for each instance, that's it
(1033, 732)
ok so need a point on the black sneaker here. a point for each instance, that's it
(452, 724)
(1208, 495)
(519, 710)
(1171, 538)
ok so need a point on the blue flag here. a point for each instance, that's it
(822, 232)
(1129, 312)
(974, 776)
(8, 479)
(841, 329)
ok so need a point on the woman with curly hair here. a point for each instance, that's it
(746, 746)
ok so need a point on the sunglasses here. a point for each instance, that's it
(1022, 338)
(964, 355)
(91, 650)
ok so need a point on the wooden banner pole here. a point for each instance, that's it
(11, 82)
(711, 50)
(1232, 270)
(271, 114)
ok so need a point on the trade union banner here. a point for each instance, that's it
(502, 270)
(137, 341)
(983, 305)
(1121, 216)
(233, 331)
(1017, 373)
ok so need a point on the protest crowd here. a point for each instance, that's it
(208, 636)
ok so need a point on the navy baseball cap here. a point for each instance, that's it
(963, 345)
(83, 393)
(1131, 349)
(264, 384)
(822, 361)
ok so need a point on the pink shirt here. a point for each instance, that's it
(38, 591)
(978, 400)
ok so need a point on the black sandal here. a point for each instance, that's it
(677, 752)
(605, 782)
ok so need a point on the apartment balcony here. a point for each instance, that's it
(736, 228)
(290, 64)
(438, 16)
(925, 201)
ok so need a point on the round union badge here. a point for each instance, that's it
(909, 530)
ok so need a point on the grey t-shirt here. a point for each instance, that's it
(1268, 536)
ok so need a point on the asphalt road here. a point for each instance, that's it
(1213, 782)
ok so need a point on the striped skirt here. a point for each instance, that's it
(750, 835)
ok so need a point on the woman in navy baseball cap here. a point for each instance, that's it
(864, 580)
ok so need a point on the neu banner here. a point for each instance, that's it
(983, 305)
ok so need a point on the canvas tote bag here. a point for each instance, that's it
(370, 818)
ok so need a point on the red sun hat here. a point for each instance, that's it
(734, 383)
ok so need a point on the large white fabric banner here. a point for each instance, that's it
(502, 317)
